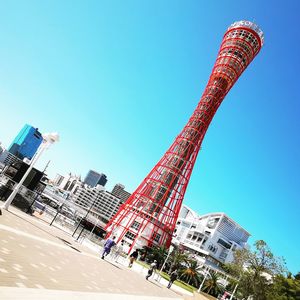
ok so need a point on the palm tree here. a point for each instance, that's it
(212, 286)
(190, 273)
(157, 253)
(178, 258)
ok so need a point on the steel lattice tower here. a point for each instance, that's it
(149, 216)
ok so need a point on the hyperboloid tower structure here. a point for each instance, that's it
(149, 216)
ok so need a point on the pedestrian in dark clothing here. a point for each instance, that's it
(133, 256)
(153, 267)
(109, 243)
(173, 277)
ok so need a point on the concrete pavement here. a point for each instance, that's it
(40, 261)
(8, 293)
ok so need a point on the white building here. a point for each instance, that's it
(70, 182)
(211, 238)
(103, 203)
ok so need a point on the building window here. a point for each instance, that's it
(185, 224)
(223, 255)
(212, 248)
(156, 237)
(130, 235)
(199, 238)
(224, 244)
(135, 225)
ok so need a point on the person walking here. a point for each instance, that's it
(133, 257)
(173, 277)
(119, 251)
(153, 267)
(109, 243)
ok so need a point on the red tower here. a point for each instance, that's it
(149, 216)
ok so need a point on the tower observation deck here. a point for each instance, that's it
(149, 216)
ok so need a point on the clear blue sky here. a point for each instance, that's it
(119, 79)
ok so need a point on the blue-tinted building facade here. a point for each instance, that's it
(26, 142)
(93, 178)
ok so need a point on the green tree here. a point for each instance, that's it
(190, 272)
(284, 288)
(212, 285)
(297, 276)
(255, 270)
(177, 259)
(263, 260)
(155, 253)
(237, 267)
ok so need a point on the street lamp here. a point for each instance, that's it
(48, 139)
(202, 283)
(171, 248)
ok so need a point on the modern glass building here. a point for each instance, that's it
(93, 178)
(26, 142)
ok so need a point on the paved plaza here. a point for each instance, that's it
(39, 261)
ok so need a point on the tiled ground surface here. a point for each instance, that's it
(35, 255)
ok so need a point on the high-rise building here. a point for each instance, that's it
(119, 191)
(103, 203)
(93, 178)
(149, 216)
(211, 238)
(26, 142)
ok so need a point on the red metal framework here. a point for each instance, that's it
(149, 215)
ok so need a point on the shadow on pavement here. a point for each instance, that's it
(161, 286)
(156, 284)
(67, 243)
(112, 264)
